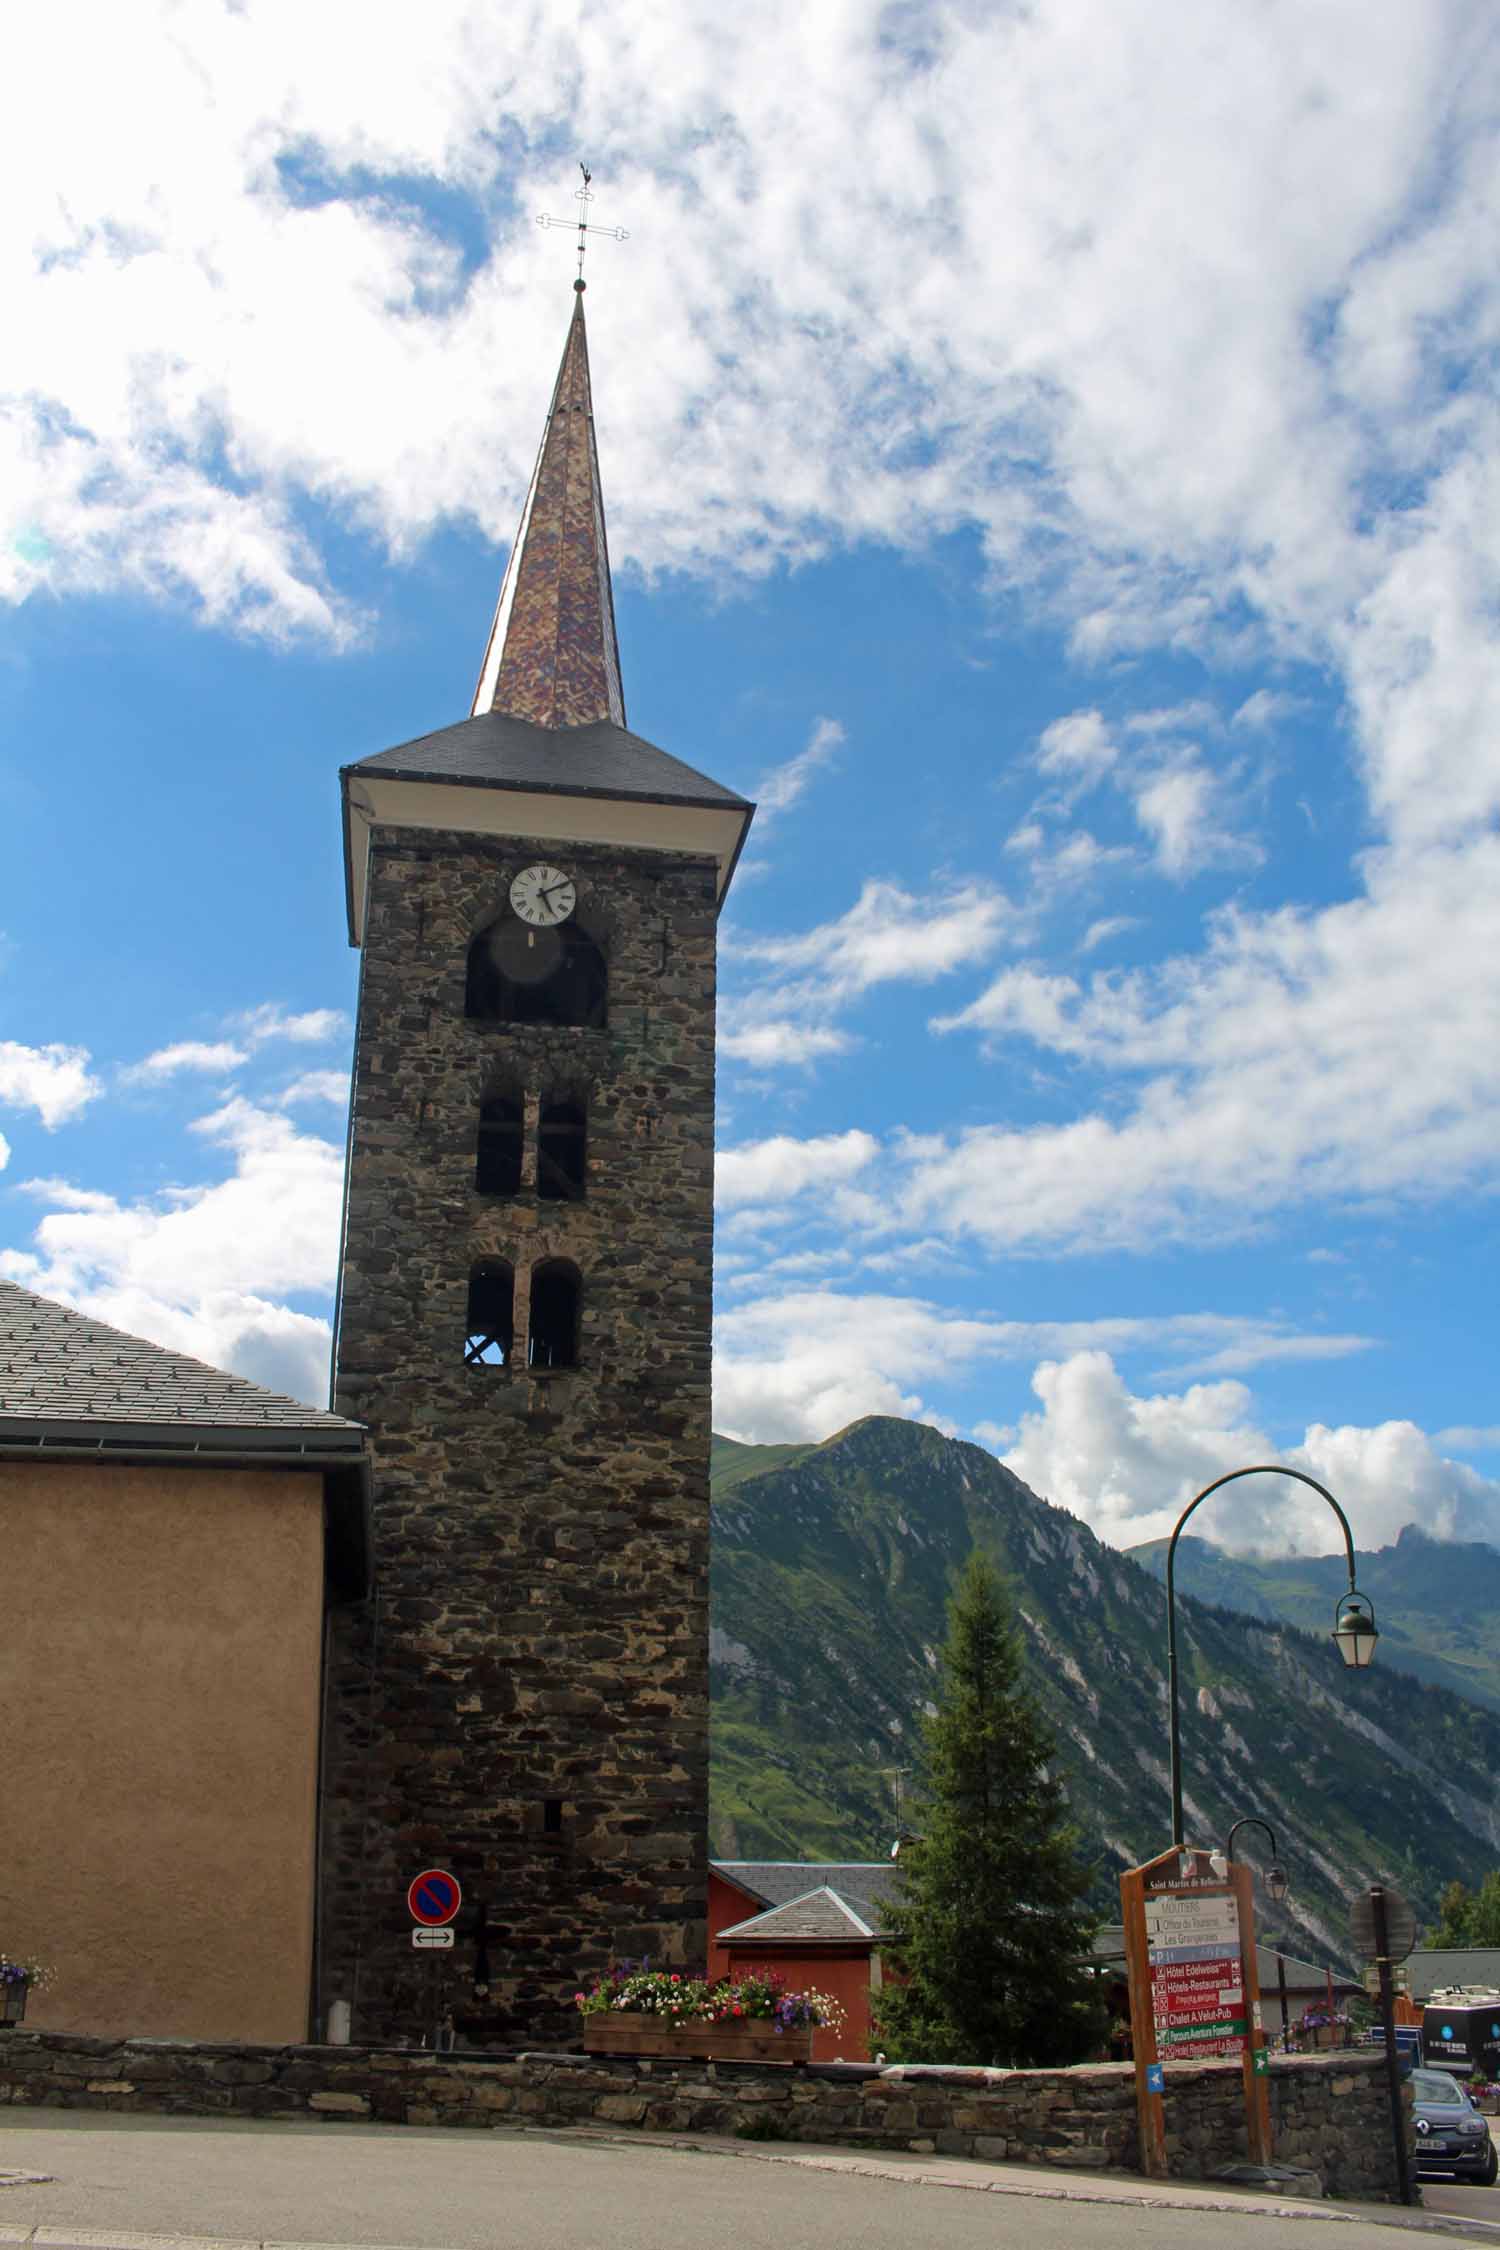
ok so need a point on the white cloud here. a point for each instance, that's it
(201, 1267)
(784, 784)
(1129, 1464)
(1080, 744)
(888, 936)
(1175, 718)
(54, 1080)
(774, 1170)
(1181, 808)
(797, 1362)
(313, 1028)
(1107, 927)
(1264, 709)
(185, 1054)
(774, 1042)
(317, 1086)
(1303, 1057)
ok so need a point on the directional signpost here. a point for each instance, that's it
(433, 1898)
(1190, 1958)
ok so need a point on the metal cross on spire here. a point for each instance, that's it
(583, 198)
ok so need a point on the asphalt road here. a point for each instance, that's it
(247, 2182)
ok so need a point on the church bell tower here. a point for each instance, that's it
(524, 1314)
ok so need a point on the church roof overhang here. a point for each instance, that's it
(498, 776)
(341, 1457)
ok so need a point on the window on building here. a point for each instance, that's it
(561, 1141)
(552, 1816)
(555, 1299)
(520, 975)
(497, 1155)
(491, 1326)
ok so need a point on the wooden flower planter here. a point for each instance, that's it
(618, 2031)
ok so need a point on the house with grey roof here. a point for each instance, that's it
(173, 1539)
(816, 1922)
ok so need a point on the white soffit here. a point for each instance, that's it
(704, 831)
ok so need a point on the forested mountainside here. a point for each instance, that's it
(832, 1567)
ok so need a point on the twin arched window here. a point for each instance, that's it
(521, 975)
(555, 1309)
(561, 1147)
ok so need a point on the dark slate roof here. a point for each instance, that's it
(1429, 1967)
(59, 1366)
(497, 752)
(822, 1913)
(777, 1880)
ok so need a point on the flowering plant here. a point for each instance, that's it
(36, 1974)
(678, 1999)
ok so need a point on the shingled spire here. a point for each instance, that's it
(552, 657)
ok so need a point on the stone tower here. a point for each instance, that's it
(524, 1312)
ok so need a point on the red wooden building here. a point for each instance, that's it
(818, 1921)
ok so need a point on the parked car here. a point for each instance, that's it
(1452, 2138)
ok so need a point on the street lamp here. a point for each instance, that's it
(1354, 1627)
(1274, 1877)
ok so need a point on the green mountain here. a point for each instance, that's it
(1437, 1601)
(832, 1566)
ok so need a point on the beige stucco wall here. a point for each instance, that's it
(160, 1634)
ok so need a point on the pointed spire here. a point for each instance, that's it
(552, 655)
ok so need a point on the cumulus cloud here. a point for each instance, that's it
(790, 1359)
(185, 1054)
(203, 1268)
(314, 1027)
(774, 1170)
(1128, 1464)
(774, 1042)
(54, 1080)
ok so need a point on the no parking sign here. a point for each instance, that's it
(434, 1897)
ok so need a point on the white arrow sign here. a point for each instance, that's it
(440, 1939)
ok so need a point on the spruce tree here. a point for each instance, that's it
(990, 1904)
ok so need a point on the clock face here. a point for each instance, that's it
(543, 896)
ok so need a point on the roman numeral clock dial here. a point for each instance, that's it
(543, 896)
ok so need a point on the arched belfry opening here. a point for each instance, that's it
(490, 1323)
(499, 1143)
(521, 975)
(556, 1309)
(561, 1148)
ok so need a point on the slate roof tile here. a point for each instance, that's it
(57, 1365)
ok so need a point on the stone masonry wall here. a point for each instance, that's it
(540, 1625)
(1329, 2113)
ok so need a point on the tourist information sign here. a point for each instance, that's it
(1190, 1961)
(1197, 1976)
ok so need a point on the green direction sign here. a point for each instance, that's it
(1226, 2027)
(1262, 2061)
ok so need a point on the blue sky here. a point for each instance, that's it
(1052, 460)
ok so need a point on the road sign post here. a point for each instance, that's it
(433, 1899)
(1385, 1928)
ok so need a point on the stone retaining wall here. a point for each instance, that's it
(1329, 2113)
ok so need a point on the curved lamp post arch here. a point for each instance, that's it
(1354, 1626)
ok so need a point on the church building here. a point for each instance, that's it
(524, 1311)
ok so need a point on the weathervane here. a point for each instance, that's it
(583, 198)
